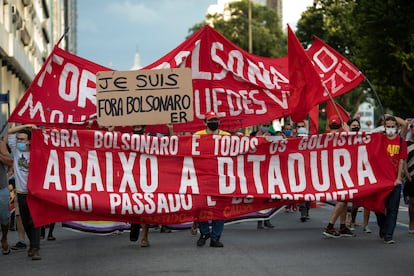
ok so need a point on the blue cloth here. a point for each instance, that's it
(388, 221)
(4, 206)
(217, 227)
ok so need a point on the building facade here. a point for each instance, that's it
(29, 29)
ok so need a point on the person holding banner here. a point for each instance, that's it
(19, 142)
(5, 161)
(264, 130)
(135, 228)
(335, 123)
(211, 122)
(409, 184)
(304, 207)
(355, 125)
(396, 148)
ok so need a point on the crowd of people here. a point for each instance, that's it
(399, 144)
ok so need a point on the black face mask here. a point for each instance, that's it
(355, 129)
(140, 132)
(212, 125)
(334, 126)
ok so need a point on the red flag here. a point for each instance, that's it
(338, 74)
(314, 120)
(305, 84)
(62, 93)
(339, 111)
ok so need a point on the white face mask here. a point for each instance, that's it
(390, 131)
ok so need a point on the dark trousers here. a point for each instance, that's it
(33, 233)
(387, 221)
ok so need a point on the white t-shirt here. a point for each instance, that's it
(21, 162)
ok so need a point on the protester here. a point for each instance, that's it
(50, 236)
(19, 142)
(212, 123)
(135, 228)
(409, 184)
(20, 245)
(288, 133)
(263, 131)
(304, 207)
(340, 209)
(355, 125)
(287, 130)
(396, 147)
(5, 162)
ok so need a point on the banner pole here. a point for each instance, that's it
(64, 34)
(333, 102)
(376, 96)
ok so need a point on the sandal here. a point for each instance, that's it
(5, 248)
(145, 243)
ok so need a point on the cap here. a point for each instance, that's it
(210, 115)
(334, 119)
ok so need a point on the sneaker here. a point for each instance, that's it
(165, 229)
(35, 254)
(260, 225)
(302, 219)
(202, 240)
(216, 243)
(330, 233)
(268, 224)
(19, 246)
(410, 231)
(30, 252)
(346, 232)
(352, 226)
(389, 241)
(367, 230)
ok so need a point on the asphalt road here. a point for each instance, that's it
(291, 248)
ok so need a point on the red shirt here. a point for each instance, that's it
(397, 150)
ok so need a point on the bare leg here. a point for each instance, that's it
(4, 244)
(144, 240)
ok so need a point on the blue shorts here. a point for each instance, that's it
(4, 206)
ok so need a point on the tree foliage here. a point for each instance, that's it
(268, 39)
(377, 36)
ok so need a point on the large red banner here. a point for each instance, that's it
(243, 89)
(96, 175)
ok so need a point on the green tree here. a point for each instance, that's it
(385, 40)
(378, 37)
(268, 38)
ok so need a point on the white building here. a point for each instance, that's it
(28, 31)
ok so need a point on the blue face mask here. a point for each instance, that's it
(264, 129)
(21, 146)
(288, 132)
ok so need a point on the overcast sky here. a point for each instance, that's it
(111, 32)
